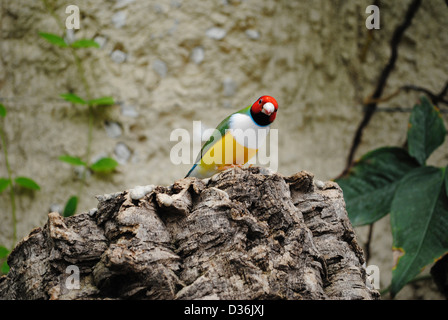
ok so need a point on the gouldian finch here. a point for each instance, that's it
(237, 138)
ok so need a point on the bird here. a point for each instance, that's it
(236, 139)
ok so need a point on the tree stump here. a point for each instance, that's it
(245, 233)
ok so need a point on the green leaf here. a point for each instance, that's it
(419, 221)
(73, 98)
(101, 101)
(4, 268)
(53, 39)
(85, 43)
(3, 252)
(4, 183)
(2, 111)
(70, 206)
(75, 161)
(104, 165)
(370, 185)
(426, 130)
(27, 183)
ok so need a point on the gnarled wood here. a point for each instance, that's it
(243, 234)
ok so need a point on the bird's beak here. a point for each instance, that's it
(268, 108)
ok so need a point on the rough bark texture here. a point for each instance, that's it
(243, 234)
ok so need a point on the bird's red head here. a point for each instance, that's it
(264, 110)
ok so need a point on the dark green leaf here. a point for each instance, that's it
(101, 101)
(75, 161)
(4, 268)
(419, 221)
(370, 185)
(73, 98)
(70, 206)
(426, 130)
(85, 43)
(2, 111)
(3, 252)
(27, 183)
(4, 183)
(104, 165)
(53, 39)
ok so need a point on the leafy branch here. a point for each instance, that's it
(377, 184)
(11, 182)
(104, 164)
(371, 106)
(397, 181)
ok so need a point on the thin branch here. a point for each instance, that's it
(82, 76)
(394, 110)
(424, 277)
(371, 107)
(370, 100)
(367, 245)
(435, 98)
(369, 40)
(444, 91)
(11, 188)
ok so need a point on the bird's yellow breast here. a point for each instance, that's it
(225, 152)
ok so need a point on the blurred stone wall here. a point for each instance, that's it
(167, 63)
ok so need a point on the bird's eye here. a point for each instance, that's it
(259, 101)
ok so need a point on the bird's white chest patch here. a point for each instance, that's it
(246, 132)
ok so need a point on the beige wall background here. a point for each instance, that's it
(167, 63)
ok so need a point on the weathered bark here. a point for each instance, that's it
(243, 234)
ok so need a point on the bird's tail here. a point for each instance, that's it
(191, 170)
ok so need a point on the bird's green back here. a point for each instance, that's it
(222, 127)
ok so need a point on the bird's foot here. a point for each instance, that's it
(230, 166)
